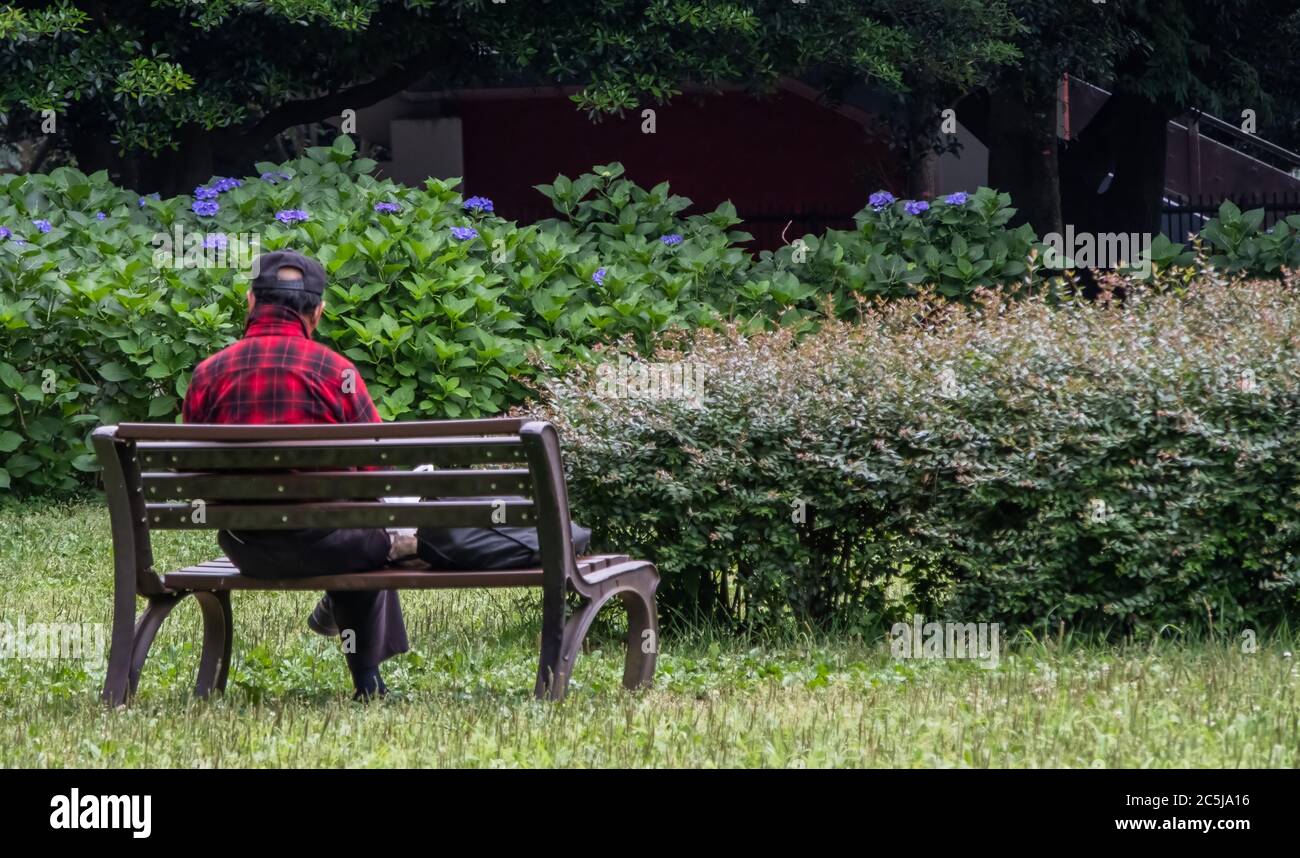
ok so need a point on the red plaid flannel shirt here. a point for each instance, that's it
(277, 374)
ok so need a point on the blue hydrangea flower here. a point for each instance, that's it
(205, 208)
(464, 233)
(202, 192)
(880, 199)
(480, 203)
(155, 195)
(4, 232)
(42, 224)
(915, 207)
(100, 215)
(671, 239)
(276, 178)
(224, 184)
(387, 208)
(957, 199)
(287, 216)
(599, 277)
(215, 240)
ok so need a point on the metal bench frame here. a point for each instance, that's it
(224, 477)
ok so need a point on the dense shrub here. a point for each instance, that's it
(1107, 465)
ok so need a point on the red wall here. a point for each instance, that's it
(777, 154)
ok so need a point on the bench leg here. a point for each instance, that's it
(117, 677)
(214, 663)
(636, 591)
(224, 673)
(126, 660)
(553, 635)
(130, 645)
(146, 629)
(642, 637)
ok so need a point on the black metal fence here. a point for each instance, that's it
(1181, 218)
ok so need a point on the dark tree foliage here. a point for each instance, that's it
(158, 91)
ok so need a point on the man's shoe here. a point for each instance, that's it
(369, 685)
(321, 620)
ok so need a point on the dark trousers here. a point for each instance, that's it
(373, 616)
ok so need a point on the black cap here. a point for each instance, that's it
(268, 266)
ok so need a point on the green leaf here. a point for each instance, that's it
(345, 144)
(10, 376)
(162, 405)
(87, 462)
(113, 371)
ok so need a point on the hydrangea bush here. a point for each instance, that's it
(447, 309)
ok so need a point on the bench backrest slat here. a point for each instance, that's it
(328, 453)
(332, 431)
(332, 485)
(200, 515)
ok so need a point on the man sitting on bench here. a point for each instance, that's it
(277, 374)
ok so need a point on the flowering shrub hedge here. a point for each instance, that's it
(448, 309)
(1113, 466)
(961, 243)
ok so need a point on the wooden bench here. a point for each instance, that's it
(187, 477)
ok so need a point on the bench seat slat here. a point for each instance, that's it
(343, 514)
(220, 574)
(159, 486)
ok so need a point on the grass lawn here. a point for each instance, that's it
(718, 701)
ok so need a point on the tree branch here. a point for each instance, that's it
(308, 110)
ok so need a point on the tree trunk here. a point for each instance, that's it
(919, 153)
(1021, 136)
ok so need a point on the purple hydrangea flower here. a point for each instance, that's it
(880, 199)
(387, 208)
(480, 203)
(599, 277)
(224, 184)
(215, 240)
(276, 178)
(957, 199)
(4, 232)
(42, 224)
(100, 215)
(287, 216)
(205, 208)
(671, 239)
(155, 195)
(464, 233)
(203, 192)
(915, 207)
